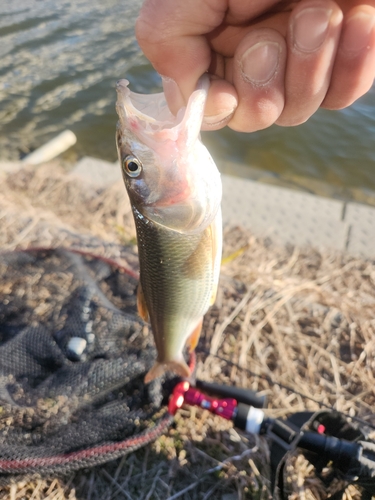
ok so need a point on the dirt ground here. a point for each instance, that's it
(297, 325)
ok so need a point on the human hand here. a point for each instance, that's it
(272, 61)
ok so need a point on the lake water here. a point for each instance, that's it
(59, 61)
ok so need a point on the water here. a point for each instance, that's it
(59, 62)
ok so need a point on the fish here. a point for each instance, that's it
(175, 194)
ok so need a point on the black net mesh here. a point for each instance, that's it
(73, 355)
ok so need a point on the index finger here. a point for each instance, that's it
(171, 34)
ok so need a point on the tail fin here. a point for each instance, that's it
(179, 367)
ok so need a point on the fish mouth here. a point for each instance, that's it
(149, 117)
(146, 113)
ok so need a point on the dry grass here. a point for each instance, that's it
(299, 318)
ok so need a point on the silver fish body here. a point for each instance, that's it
(175, 192)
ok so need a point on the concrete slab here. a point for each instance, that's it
(284, 215)
(97, 173)
(361, 237)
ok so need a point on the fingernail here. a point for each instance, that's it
(172, 94)
(357, 31)
(215, 120)
(310, 28)
(259, 63)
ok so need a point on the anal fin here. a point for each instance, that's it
(193, 340)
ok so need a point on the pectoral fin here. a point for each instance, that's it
(197, 263)
(217, 238)
(213, 295)
(141, 304)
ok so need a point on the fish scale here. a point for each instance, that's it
(177, 295)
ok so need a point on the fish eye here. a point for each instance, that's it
(132, 166)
